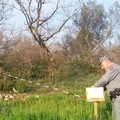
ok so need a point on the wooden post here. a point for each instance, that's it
(95, 110)
(95, 95)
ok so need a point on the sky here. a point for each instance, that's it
(19, 19)
(107, 3)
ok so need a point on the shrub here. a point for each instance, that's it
(39, 69)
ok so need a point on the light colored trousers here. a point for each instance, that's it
(116, 108)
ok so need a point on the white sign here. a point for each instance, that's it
(95, 94)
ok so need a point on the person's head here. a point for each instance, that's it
(105, 62)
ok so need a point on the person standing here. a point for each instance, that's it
(111, 81)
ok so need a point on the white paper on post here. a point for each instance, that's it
(95, 94)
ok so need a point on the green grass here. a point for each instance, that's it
(52, 107)
(56, 106)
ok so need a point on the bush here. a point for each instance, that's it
(6, 84)
(75, 69)
(39, 69)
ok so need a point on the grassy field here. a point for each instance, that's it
(55, 105)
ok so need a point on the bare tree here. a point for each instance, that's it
(93, 29)
(42, 24)
(114, 16)
(38, 22)
(6, 41)
(5, 10)
(114, 20)
(5, 13)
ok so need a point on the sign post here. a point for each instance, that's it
(95, 94)
(96, 110)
